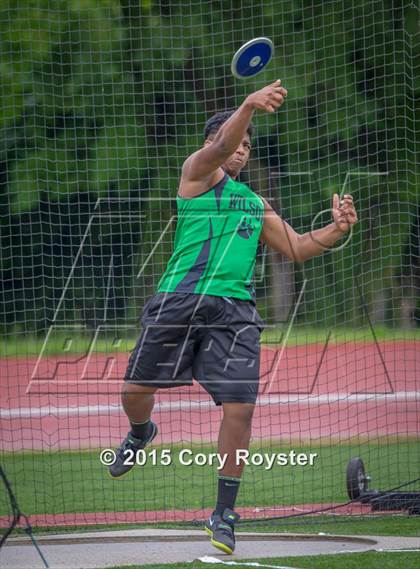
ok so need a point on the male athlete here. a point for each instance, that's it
(202, 321)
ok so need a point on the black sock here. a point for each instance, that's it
(227, 492)
(141, 430)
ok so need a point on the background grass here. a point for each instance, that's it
(369, 560)
(125, 339)
(76, 482)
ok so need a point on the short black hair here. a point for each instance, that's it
(216, 121)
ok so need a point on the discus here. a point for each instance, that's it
(252, 57)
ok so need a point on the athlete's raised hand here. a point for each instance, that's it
(344, 212)
(269, 98)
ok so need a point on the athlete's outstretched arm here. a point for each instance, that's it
(203, 163)
(281, 237)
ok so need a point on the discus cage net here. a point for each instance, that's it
(101, 102)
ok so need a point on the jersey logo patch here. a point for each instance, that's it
(245, 229)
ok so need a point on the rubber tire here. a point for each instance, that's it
(356, 478)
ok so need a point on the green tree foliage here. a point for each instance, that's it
(105, 99)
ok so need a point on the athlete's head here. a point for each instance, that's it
(239, 158)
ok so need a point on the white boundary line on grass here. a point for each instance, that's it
(164, 406)
(212, 560)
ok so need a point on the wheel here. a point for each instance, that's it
(357, 481)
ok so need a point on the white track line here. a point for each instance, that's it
(328, 398)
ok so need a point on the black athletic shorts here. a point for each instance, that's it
(213, 339)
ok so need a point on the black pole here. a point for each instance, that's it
(17, 514)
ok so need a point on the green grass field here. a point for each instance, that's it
(69, 482)
(22, 345)
(370, 560)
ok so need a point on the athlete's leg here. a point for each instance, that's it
(234, 434)
(227, 366)
(159, 349)
(138, 401)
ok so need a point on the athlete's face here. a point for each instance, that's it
(235, 163)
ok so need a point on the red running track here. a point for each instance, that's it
(154, 516)
(59, 403)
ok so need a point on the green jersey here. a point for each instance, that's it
(216, 242)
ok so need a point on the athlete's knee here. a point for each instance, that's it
(132, 390)
(241, 412)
